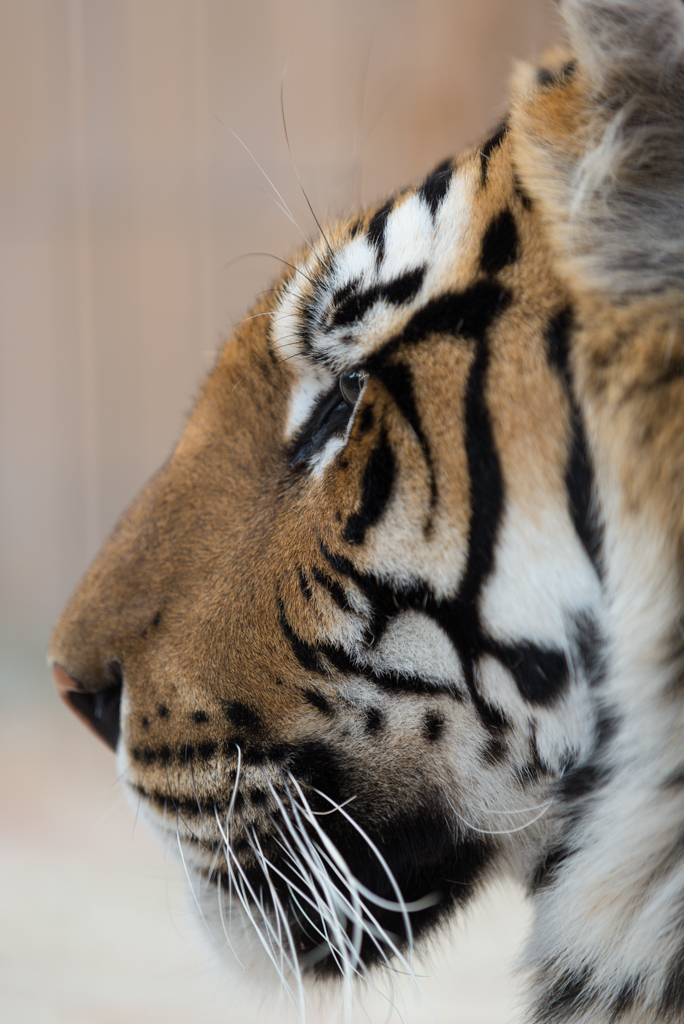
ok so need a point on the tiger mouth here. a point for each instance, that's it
(326, 894)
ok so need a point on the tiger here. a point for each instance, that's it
(402, 613)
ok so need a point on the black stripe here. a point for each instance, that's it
(500, 243)
(547, 77)
(304, 585)
(522, 195)
(376, 489)
(308, 319)
(353, 305)
(494, 751)
(486, 485)
(579, 472)
(393, 682)
(385, 600)
(546, 871)
(309, 657)
(583, 780)
(558, 341)
(436, 185)
(541, 674)
(624, 1001)
(589, 777)
(466, 314)
(340, 296)
(319, 701)
(566, 998)
(579, 482)
(374, 720)
(674, 780)
(329, 416)
(355, 227)
(241, 715)
(492, 143)
(333, 587)
(184, 808)
(397, 380)
(376, 228)
(592, 647)
(304, 653)
(672, 373)
(365, 421)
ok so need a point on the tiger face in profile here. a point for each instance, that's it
(403, 611)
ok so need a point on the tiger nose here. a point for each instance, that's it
(98, 709)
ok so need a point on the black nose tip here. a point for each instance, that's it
(100, 710)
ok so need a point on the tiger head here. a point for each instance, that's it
(343, 642)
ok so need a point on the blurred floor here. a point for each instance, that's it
(95, 920)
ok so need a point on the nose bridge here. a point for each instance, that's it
(117, 601)
(137, 617)
(156, 614)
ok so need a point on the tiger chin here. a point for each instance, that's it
(402, 612)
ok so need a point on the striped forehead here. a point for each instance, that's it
(347, 300)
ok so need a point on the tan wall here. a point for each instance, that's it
(125, 200)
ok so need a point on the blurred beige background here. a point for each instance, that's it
(127, 206)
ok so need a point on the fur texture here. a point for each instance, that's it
(403, 610)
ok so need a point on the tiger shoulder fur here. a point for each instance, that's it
(402, 612)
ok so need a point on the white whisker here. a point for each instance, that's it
(301, 185)
(285, 207)
(383, 863)
(430, 900)
(352, 883)
(241, 882)
(187, 875)
(327, 904)
(280, 911)
(322, 814)
(499, 832)
(401, 902)
(223, 924)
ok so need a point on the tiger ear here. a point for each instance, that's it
(599, 143)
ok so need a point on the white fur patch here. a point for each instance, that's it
(413, 242)
(542, 576)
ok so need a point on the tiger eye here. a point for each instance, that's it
(351, 385)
